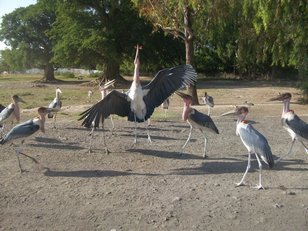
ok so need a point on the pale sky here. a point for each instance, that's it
(7, 6)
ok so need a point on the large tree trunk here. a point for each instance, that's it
(49, 73)
(112, 71)
(189, 48)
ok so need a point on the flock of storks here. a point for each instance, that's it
(138, 104)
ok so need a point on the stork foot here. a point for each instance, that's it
(205, 156)
(107, 151)
(259, 187)
(239, 184)
(149, 140)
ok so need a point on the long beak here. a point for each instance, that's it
(277, 98)
(21, 100)
(232, 112)
(109, 83)
(181, 94)
(58, 90)
(48, 110)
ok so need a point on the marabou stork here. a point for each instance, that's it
(104, 91)
(24, 130)
(197, 120)
(209, 101)
(253, 140)
(139, 102)
(57, 104)
(11, 112)
(297, 128)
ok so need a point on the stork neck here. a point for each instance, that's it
(241, 118)
(186, 110)
(286, 106)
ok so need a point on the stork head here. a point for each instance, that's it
(238, 111)
(17, 99)
(186, 98)
(282, 97)
(58, 90)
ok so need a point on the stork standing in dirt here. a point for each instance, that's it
(254, 141)
(297, 128)
(209, 102)
(139, 102)
(104, 91)
(56, 104)
(197, 120)
(11, 112)
(26, 129)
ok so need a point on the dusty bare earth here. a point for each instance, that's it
(158, 186)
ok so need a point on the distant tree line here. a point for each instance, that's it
(251, 39)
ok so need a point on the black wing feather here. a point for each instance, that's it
(165, 83)
(203, 120)
(114, 103)
(298, 126)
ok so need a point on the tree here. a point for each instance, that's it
(174, 17)
(25, 30)
(102, 34)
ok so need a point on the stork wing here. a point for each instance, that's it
(258, 143)
(1, 107)
(203, 120)
(5, 113)
(21, 130)
(298, 126)
(165, 83)
(114, 103)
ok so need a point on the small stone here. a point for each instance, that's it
(176, 199)
(278, 206)
(291, 193)
(217, 184)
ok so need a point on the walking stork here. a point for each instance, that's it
(139, 102)
(56, 104)
(11, 112)
(197, 120)
(297, 128)
(24, 130)
(254, 141)
(209, 101)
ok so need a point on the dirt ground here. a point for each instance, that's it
(158, 186)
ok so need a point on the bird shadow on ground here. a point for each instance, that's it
(145, 137)
(165, 154)
(47, 140)
(92, 173)
(66, 146)
(233, 165)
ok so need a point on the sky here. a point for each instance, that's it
(7, 6)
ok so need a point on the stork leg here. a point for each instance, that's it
(259, 186)
(54, 120)
(191, 128)
(148, 133)
(111, 119)
(205, 145)
(280, 158)
(248, 167)
(305, 147)
(135, 140)
(105, 144)
(91, 139)
(208, 110)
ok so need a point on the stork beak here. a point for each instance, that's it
(277, 98)
(232, 112)
(109, 83)
(21, 100)
(48, 110)
(181, 94)
(58, 90)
